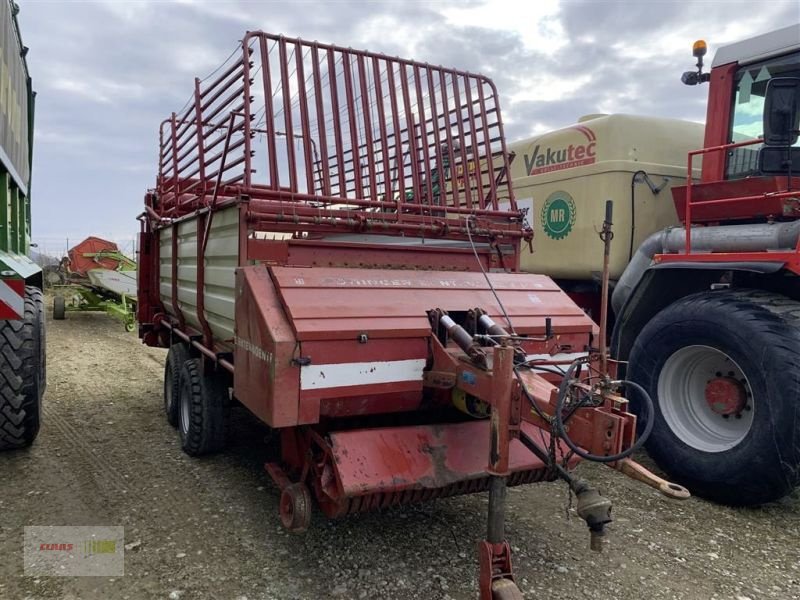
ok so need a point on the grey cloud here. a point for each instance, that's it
(136, 63)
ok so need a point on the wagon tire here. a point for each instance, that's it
(176, 356)
(22, 374)
(59, 308)
(203, 401)
(295, 507)
(723, 373)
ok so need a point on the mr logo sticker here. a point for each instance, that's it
(558, 215)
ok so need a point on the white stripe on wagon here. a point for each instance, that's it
(9, 296)
(320, 377)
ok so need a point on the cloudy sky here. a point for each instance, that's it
(108, 72)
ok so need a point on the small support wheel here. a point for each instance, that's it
(295, 507)
(505, 589)
(59, 308)
(130, 326)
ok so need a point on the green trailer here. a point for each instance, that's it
(22, 335)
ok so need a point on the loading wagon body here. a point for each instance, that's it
(333, 242)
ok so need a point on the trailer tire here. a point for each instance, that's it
(59, 308)
(22, 374)
(295, 507)
(177, 355)
(722, 369)
(203, 410)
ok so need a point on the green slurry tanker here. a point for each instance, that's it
(22, 359)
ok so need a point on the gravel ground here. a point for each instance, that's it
(209, 528)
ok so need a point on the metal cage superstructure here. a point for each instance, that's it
(319, 137)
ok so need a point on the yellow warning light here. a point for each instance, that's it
(699, 48)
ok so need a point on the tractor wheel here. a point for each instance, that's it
(505, 589)
(295, 507)
(722, 369)
(177, 355)
(203, 410)
(21, 375)
(59, 308)
(39, 319)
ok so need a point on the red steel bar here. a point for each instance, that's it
(407, 124)
(269, 113)
(352, 123)
(248, 117)
(384, 146)
(325, 182)
(365, 108)
(462, 144)
(287, 117)
(306, 129)
(434, 120)
(687, 221)
(176, 176)
(411, 137)
(487, 140)
(401, 183)
(199, 130)
(473, 132)
(449, 135)
(337, 125)
(423, 133)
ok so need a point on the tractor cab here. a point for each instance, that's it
(751, 128)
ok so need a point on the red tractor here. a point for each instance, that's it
(706, 294)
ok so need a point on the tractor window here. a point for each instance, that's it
(748, 110)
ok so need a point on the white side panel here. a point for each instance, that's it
(221, 260)
(319, 377)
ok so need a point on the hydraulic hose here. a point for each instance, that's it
(563, 388)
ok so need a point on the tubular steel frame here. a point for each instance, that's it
(348, 140)
(791, 258)
(312, 139)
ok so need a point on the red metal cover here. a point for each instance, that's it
(81, 261)
(338, 303)
(392, 459)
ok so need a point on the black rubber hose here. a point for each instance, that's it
(562, 433)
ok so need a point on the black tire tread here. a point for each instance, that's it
(776, 319)
(59, 308)
(21, 374)
(208, 410)
(176, 356)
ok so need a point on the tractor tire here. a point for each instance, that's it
(59, 308)
(203, 410)
(38, 302)
(722, 370)
(21, 375)
(177, 355)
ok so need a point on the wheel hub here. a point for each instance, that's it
(726, 396)
(705, 398)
